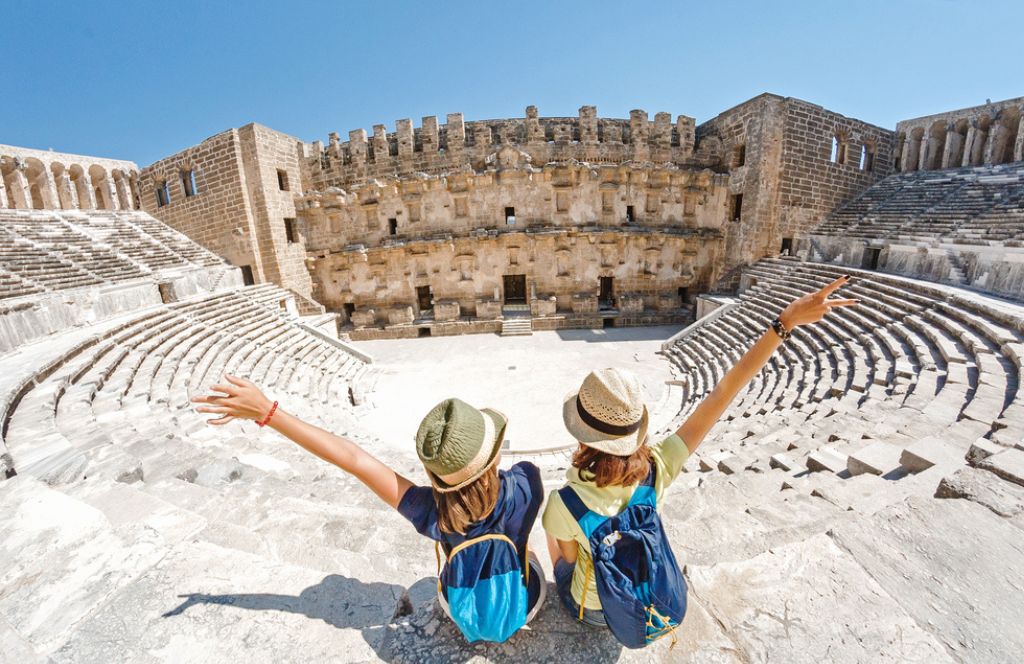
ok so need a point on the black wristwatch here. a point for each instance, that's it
(780, 329)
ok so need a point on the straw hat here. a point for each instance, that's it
(457, 443)
(608, 412)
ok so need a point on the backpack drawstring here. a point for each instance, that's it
(586, 586)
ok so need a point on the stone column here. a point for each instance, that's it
(952, 144)
(48, 189)
(3, 194)
(124, 196)
(111, 191)
(86, 195)
(1018, 148)
(996, 131)
(972, 135)
(922, 153)
(686, 128)
(334, 147)
(662, 131)
(19, 193)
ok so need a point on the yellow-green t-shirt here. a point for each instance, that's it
(669, 456)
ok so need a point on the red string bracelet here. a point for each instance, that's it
(266, 419)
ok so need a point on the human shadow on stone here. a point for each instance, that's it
(407, 624)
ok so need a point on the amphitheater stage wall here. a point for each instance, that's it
(993, 269)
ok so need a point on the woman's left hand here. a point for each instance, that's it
(812, 307)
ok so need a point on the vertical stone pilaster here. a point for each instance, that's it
(639, 134)
(588, 124)
(534, 131)
(19, 193)
(1018, 148)
(972, 136)
(3, 194)
(357, 147)
(428, 134)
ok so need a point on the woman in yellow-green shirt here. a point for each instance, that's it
(608, 418)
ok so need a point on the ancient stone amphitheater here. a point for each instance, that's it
(861, 501)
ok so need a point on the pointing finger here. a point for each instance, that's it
(842, 303)
(220, 420)
(225, 389)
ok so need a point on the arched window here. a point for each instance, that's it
(838, 155)
(163, 194)
(867, 157)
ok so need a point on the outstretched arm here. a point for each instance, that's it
(241, 399)
(810, 308)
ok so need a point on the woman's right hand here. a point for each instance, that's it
(238, 399)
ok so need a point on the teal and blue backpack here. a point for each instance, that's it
(642, 591)
(486, 587)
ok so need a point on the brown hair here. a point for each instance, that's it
(611, 470)
(458, 510)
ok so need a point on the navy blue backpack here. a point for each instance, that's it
(642, 591)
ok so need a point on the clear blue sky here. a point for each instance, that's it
(141, 80)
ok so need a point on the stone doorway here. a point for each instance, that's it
(870, 260)
(424, 300)
(606, 295)
(515, 288)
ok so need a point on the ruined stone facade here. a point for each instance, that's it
(233, 193)
(582, 221)
(978, 136)
(790, 163)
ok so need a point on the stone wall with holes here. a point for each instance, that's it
(562, 269)
(782, 179)
(238, 208)
(513, 195)
(433, 149)
(980, 135)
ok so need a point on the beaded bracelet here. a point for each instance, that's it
(266, 419)
(780, 329)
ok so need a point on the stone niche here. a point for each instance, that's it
(543, 306)
(400, 315)
(445, 310)
(584, 303)
(364, 318)
(488, 309)
(630, 303)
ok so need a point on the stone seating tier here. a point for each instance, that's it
(47, 250)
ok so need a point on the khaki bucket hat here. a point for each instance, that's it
(608, 412)
(457, 443)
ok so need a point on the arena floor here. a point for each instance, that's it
(524, 377)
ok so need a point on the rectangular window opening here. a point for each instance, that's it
(510, 216)
(188, 183)
(282, 180)
(349, 308)
(247, 276)
(163, 194)
(684, 293)
(736, 209)
(392, 226)
(630, 214)
(787, 246)
(289, 231)
(740, 158)
(867, 159)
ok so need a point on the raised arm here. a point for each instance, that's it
(808, 309)
(241, 399)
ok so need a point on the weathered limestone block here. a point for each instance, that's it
(401, 315)
(488, 309)
(446, 310)
(584, 303)
(630, 303)
(543, 306)
(781, 461)
(1008, 464)
(828, 608)
(925, 554)
(877, 458)
(1003, 498)
(929, 452)
(588, 124)
(981, 449)
(357, 146)
(826, 458)
(364, 318)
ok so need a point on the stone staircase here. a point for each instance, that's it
(511, 327)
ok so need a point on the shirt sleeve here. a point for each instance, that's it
(669, 456)
(527, 490)
(557, 520)
(418, 506)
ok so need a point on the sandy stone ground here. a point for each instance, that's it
(526, 378)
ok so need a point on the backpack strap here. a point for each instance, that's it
(476, 540)
(588, 520)
(644, 494)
